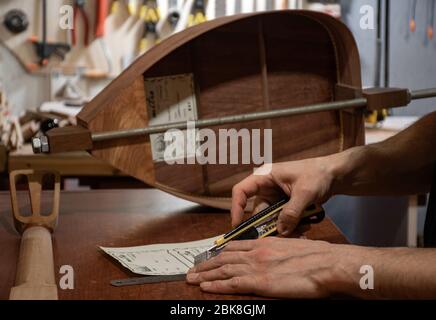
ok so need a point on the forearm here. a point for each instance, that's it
(398, 273)
(399, 165)
(371, 171)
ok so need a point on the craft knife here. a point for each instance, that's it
(260, 225)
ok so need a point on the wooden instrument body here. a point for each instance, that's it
(239, 64)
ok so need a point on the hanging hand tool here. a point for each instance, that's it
(115, 6)
(247, 6)
(133, 6)
(198, 14)
(79, 10)
(230, 7)
(430, 19)
(210, 11)
(173, 18)
(373, 117)
(150, 14)
(412, 21)
(16, 21)
(102, 12)
(43, 49)
(167, 24)
(261, 5)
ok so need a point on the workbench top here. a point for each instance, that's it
(117, 218)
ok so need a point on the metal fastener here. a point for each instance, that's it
(40, 144)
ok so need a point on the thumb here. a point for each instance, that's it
(292, 211)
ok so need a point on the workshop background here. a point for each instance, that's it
(34, 89)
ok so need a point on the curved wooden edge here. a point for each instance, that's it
(348, 52)
(223, 203)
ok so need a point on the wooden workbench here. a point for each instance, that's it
(121, 218)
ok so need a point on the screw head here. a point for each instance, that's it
(36, 145)
(40, 144)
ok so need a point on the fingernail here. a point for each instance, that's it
(281, 229)
(205, 285)
(192, 270)
(191, 277)
(285, 233)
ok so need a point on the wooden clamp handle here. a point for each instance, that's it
(35, 271)
(73, 138)
(385, 98)
(376, 98)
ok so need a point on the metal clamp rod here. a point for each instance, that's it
(327, 106)
(270, 114)
(422, 94)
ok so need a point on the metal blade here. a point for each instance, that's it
(148, 279)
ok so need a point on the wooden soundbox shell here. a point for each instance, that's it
(243, 63)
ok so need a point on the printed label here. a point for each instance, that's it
(170, 99)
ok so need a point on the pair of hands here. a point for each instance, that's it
(277, 267)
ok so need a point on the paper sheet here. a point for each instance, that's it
(160, 259)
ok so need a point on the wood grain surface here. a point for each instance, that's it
(121, 218)
(240, 64)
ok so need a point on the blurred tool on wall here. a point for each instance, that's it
(167, 24)
(16, 21)
(10, 130)
(43, 48)
(80, 15)
(429, 23)
(430, 18)
(412, 21)
(376, 117)
(198, 13)
(16, 130)
(102, 12)
(150, 15)
(107, 35)
(102, 38)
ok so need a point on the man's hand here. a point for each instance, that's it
(306, 182)
(279, 267)
(297, 268)
(399, 165)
